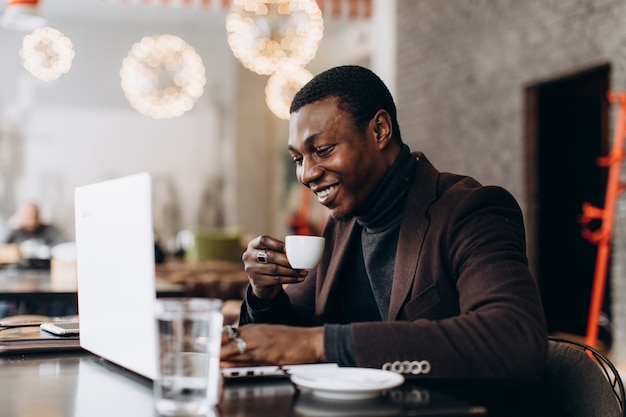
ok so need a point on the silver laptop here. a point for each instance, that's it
(116, 275)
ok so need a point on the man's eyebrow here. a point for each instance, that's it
(307, 141)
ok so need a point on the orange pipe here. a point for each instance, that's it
(614, 187)
(22, 2)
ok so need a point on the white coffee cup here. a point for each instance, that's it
(304, 252)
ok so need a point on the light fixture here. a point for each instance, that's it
(47, 53)
(162, 76)
(22, 15)
(281, 87)
(265, 34)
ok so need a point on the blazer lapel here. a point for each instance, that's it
(335, 265)
(413, 230)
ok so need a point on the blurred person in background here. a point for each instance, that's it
(26, 225)
(32, 241)
(32, 238)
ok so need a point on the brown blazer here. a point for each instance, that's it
(462, 296)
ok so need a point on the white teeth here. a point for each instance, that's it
(321, 195)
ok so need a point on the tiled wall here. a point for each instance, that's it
(463, 66)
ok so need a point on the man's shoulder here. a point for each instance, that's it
(470, 191)
(428, 177)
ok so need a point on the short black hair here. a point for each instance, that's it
(360, 92)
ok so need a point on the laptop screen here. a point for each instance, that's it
(116, 275)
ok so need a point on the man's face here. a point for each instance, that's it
(29, 217)
(341, 164)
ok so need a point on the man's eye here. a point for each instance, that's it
(324, 150)
(297, 160)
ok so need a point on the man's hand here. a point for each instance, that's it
(267, 267)
(273, 344)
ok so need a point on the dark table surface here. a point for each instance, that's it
(38, 283)
(35, 291)
(81, 384)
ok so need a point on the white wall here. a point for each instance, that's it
(80, 128)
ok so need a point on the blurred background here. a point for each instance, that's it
(219, 164)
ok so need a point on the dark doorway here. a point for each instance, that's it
(567, 121)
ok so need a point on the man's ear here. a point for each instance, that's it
(381, 126)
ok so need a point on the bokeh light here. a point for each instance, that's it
(162, 76)
(47, 53)
(264, 35)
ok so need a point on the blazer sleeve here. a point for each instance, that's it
(283, 309)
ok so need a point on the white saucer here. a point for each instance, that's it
(347, 383)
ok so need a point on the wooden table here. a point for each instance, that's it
(35, 287)
(38, 284)
(213, 279)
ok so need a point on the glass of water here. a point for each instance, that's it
(188, 380)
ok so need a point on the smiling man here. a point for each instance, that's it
(424, 273)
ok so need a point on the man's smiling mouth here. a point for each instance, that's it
(323, 194)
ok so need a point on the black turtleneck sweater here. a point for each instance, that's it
(365, 292)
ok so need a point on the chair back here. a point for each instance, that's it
(221, 245)
(582, 381)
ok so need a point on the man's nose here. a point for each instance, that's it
(309, 171)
